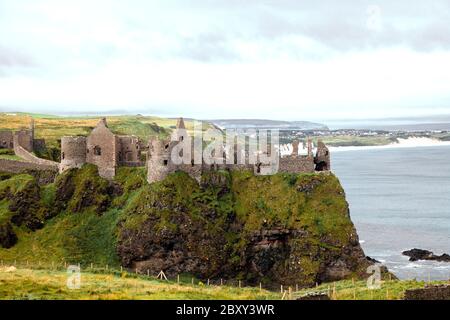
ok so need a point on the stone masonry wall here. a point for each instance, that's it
(29, 157)
(6, 139)
(14, 166)
(73, 152)
(102, 147)
(299, 164)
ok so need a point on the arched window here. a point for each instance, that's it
(62, 156)
(97, 151)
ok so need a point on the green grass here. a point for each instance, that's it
(358, 290)
(98, 283)
(8, 154)
(52, 128)
(45, 284)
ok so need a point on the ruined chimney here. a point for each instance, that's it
(295, 144)
(310, 153)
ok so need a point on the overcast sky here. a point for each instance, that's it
(281, 59)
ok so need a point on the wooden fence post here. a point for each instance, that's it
(260, 287)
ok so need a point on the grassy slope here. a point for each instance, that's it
(358, 290)
(53, 128)
(45, 284)
(25, 283)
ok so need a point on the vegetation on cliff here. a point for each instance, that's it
(281, 229)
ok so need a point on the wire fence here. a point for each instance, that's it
(332, 290)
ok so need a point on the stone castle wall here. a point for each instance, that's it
(73, 152)
(29, 157)
(24, 138)
(6, 140)
(129, 151)
(296, 164)
(102, 149)
(14, 166)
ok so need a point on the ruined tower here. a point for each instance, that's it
(102, 149)
(158, 161)
(322, 159)
(73, 153)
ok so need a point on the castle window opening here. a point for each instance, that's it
(97, 151)
(62, 156)
(166, 162)
(167, 146)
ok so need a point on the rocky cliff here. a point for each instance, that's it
(281, 229)
(285, 228)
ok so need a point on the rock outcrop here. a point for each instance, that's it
(419, 254)
(288, 229)
(8, 237)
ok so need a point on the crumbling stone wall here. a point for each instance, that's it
(322, 159)
(73, 152)
(160, 163)
(300, 164)
(24, 138)
(14, 166)
(6, 140)
(129, 151)
(441, 292)
(102, 150)
(29, 157)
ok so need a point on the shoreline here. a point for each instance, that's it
(403, 143)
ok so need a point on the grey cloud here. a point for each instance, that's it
(12, 58)
(207, 47)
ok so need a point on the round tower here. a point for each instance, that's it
(73, 152)
(158, 166)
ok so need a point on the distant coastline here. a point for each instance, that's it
(411, 142)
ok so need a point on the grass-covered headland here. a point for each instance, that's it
(231, 228)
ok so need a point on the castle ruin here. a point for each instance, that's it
(23, 138)
(102, 148)
(160, 162)
(107, 151)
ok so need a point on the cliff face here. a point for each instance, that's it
(282, 229)
(291, 229)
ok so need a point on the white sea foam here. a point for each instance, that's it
(411, 142)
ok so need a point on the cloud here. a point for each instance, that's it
(13, 58)
(278, 58)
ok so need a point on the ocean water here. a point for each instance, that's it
(399, 199)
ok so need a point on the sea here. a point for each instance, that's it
(399, 199)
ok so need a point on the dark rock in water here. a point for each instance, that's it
(7, 236)
(419, 254)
